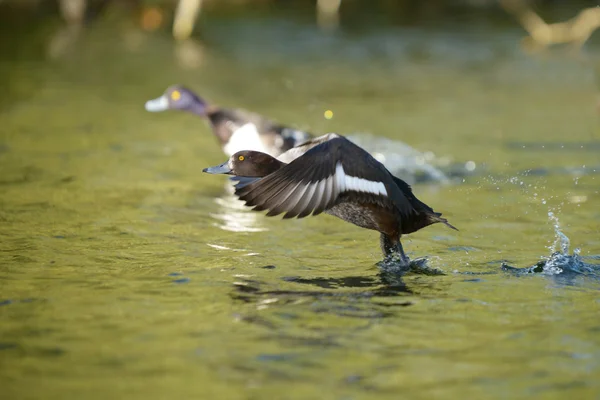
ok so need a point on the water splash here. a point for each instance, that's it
(560, 261)
(561, 241)
(393, 265)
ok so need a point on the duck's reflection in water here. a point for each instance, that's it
(234, 216)
(389, 281)
(360, 298)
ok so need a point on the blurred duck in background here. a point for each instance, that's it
(236, 129)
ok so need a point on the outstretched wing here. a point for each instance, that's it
(313, 182)
(299, 150)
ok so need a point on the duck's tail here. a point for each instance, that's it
(437, 217)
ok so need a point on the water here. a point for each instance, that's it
(560, 262)
(127, 273)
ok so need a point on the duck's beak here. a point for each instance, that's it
(159, 104)
(219, 169)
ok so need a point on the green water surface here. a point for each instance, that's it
(125, 272)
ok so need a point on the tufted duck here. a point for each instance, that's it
(236, 129)
(335, 176)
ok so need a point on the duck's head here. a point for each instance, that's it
(250, 164)
(178, 97)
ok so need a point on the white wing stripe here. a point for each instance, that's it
(340, 178)
(345, 182)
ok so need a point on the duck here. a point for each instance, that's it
(235, 129)
(238, 129)
(331, 175)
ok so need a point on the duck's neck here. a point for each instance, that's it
(198, 107)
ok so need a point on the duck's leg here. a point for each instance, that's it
(392, 246)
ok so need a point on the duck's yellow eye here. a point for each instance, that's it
(176, 95)
(241, 158)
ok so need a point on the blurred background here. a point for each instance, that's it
(126, 272)
(294, 60)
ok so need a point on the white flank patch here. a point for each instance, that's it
(246, 137)
(346, 182)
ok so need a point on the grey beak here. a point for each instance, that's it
(159, 104)
(219, 169)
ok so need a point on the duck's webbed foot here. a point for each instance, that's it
(397, 262)
(393, 251)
